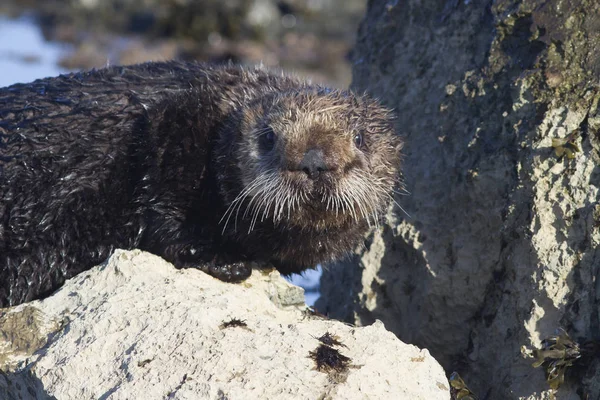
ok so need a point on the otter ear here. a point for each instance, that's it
(381, 120)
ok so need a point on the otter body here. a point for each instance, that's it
(209, 167)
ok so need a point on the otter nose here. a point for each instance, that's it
(313, 163)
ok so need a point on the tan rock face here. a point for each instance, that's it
(500, 244)
(138, 328)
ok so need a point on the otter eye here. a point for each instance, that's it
(358, 140)
(268, 138)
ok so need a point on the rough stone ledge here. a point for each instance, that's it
(136, 327)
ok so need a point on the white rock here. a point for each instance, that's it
(137, 328)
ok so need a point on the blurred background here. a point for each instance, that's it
(311, 38)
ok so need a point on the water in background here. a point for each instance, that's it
(310, 281)
(26, 56)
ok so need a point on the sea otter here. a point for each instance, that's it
(212, 167)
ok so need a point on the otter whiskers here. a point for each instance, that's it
(269, 195)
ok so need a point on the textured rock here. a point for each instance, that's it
(500, 244)
(137, 328)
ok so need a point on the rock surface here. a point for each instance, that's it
(500, 246)
(136, 327)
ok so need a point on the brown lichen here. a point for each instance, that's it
(327, 359)
(558, 353)
(234, 322)
(459, 389)
(331, 340)
(24, 332)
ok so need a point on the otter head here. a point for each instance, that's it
(313, 161)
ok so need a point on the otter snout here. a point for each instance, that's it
(313, 163)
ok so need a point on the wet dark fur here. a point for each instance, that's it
(139, 157)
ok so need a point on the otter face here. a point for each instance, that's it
(315, 160)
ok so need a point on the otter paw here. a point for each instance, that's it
(231, 272)
(185, 255)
